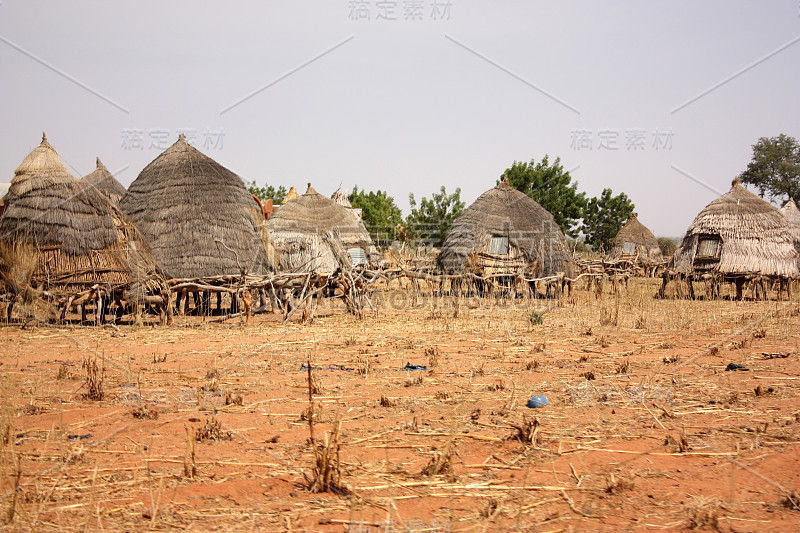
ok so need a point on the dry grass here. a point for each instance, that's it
(620, 452)
(95, 376)
(212, 431)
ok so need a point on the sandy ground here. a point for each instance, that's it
(204, 425)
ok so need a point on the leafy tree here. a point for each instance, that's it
(551, 186)
(667, 245)
(268, 192)
(432, 219)
(378, 211)
(775, 168)
(604, 217)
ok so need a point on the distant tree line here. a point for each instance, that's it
(774, 171)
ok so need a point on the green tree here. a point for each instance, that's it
(604, 217)
(378, 211)
(552, 188)
(268, 192)
(431, 221)
(667, 245)
(775, 168)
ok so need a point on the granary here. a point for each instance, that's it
(637, 244)
(357, 254)
(737, 237)
(313, 233)
(107, 184)
(506, 232)
(60, 237)
(792, 215)
(198, 216)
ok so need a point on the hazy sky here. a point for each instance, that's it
(660, 100)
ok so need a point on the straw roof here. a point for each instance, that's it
(198, 216)
(291, 195)
(503, 211)
(75, 236)
(792, 215)
(645, 245)
(102, 179)
(754, 238)
(306, 231)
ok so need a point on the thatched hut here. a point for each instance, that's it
(792, 215)
(104, 182)
(737, 237)
(636, 243)
(198, 216)
(506, 232)
(312, 233)
(60, 235)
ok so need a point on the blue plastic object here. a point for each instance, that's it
(540, 400)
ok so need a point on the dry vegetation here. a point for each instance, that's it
(221, 426)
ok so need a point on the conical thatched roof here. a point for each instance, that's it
(635, 239)
(107, 184)
(303, 229)
(291, 195)
(754, 238)
(792, 215)
(198, 216)
(503, 211)
(73, 235)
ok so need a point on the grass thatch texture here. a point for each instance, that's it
(79, 237)
(197, 215)
(104, 182)
(298, 229)
(754, 236)
(792, 215)
(648, 251)
(506, 212)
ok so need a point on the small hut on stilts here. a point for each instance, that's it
(205, 230)
(327, 241)
(313, 233)
(636, 244)
(737, 238)
(62, 242)
(505, 237)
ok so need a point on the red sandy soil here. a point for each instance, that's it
(645, 429)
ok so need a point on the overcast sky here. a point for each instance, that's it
(660, 100)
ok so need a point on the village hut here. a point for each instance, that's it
(60, 235)
(198, 216)
(737, 237)
(104, 182)
(792, 215)
(506, 232)
(635, 243)
(357, 254)
(313, 233)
